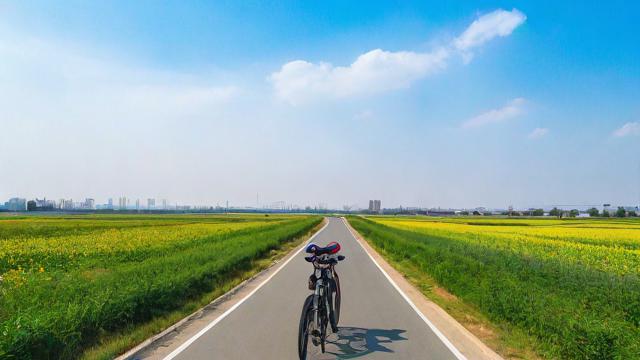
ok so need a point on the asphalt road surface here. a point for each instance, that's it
(376, 322)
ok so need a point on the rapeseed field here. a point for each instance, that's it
(67, 280)
(573, 285)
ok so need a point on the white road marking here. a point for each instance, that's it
(195, 337)
(433, 328)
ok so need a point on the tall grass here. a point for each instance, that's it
(575, 310)
(56, 312)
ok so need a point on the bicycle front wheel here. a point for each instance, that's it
(306, 319)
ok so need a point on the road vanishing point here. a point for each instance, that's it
(376, 321)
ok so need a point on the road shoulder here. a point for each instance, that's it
(461, 338)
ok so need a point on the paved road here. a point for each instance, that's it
(376, 322)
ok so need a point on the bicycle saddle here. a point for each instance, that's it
(331, 248)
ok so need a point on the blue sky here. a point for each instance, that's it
(419, 104)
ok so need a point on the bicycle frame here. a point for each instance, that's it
(323, 275)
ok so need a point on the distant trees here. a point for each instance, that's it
(593, 212)
(537, 212)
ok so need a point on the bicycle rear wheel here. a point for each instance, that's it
(336, 297)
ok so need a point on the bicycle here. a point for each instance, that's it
(323, 306)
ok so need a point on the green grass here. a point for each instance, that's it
(575, 305)
(507, 340)
(117, 343)
(63, 294)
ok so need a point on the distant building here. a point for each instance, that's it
(67, 204)
(164, 204)
(44, 204)
(122, 203)
(151, 203)
(16, 204)
(89, 204)
(375, 206)
(137, 204)
(110, 204)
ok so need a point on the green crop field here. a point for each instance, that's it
(572, 285)
(69, 280)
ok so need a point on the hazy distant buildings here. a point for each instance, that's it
(66, 204)
(89, 204)
(44, 204)
(164, 204)
(122, 203)
(375, 206)
(16, 204)
(151, 203)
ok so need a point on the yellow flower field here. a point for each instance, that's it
(574, 285)
(65, 279)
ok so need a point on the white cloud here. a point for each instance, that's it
(372, 72)
(47, 79)
(630, 128)
(379, 71)
(538, 133)
(497, 23)
(505, 113)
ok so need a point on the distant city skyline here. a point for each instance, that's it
(420, 103)
(374, 206)
(125, 203)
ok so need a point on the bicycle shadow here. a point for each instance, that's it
(353, 342)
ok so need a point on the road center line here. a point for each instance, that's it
(433, 328)
(213, 323)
